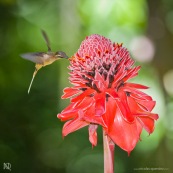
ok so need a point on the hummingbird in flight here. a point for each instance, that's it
(43, 59)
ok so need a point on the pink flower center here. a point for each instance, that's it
(100, 64)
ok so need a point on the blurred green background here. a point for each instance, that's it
(30, 133)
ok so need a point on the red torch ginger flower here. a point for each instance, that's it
(102, 95)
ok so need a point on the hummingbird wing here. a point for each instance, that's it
(36, 57)
(46, 40)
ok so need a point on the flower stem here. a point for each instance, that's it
(108, 153)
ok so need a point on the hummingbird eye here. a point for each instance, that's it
(61, 54)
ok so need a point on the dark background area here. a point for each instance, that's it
(30, 133)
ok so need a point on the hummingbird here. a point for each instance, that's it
(43, 59)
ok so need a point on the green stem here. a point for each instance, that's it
(108, 153)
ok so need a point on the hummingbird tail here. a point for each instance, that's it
(35, 72)
(37, 67)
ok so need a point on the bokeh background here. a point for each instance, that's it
(30, 133)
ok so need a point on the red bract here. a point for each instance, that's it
(102, 95)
